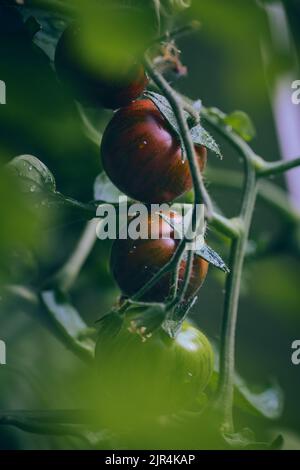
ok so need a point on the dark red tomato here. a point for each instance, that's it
(142, 155)
(134, 262)
(95, 87)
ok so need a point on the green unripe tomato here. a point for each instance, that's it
(140, 379)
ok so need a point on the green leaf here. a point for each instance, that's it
(199, 135)
(52, 25)
(267, 403)
(238, 121)
(38, 183)
(35, 177)
(241, 123)
(105, 190)
(67, 322)
(207, 253)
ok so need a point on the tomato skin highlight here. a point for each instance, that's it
(161, 375)
(134, 262)
(94, 87)
(142, 155)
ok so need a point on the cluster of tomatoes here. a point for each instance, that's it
(142, 156)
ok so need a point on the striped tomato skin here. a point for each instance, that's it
(142, 155)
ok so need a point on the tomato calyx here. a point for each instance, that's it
(199, 245)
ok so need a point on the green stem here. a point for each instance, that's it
(66, 276)
(186, 280)
(228, 332)
(88, 209)
(277, 168)
(268, 192)
(176, 33)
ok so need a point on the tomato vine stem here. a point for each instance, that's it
(70, 270)
(276, 168)
(229, 322)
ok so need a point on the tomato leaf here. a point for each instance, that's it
(105, 190)
(34, 175)
(38, 184)
(199, 135)
(267, 402)
(52, 25)
(207, 253)
(238, 121)
(241, 123)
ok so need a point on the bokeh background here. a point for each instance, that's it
(244, 57)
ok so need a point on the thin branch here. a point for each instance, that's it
(268, 192)
(87, 209)
(191, 27)
(69, 416)
(186, 280)
(242, 147)
(228, 332)
(228, 227)
(73, 423)
(69, 272)
(277, 168)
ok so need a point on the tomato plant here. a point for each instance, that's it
(146, 161)
(152, 365)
